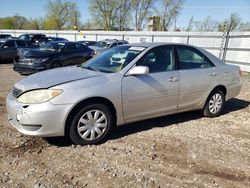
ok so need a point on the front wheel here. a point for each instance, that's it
(56, 64)
(91, 125)
(214, 104)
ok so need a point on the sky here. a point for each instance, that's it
(199, 9)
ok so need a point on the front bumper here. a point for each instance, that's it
(44, 120)
(28, 69)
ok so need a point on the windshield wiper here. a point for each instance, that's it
(90, 68)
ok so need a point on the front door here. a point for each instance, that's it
(155, 93)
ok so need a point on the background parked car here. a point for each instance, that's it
(8, 49)
(88, 42)
(5, 36)
(52, 55)
(102, 46)
(35, 39)
(50, 39)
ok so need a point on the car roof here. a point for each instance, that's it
(154, 44)
(114, 40)
(6, 39)
(5, 35)
(66, 42)
(33, 34)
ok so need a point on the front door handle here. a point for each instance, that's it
(173, 79)
(213, 74)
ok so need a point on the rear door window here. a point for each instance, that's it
(80, 47)
(69, 48)
(20, 43)
(190, 58)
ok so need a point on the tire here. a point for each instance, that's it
(56, 64)
(214, 104)
(91, 125)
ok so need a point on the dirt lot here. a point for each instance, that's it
(184, 150)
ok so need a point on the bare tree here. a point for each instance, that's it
(141, 10)
(124, 14)
(104, 12)
(208, 24)
(60, 14)
(168, 12)
(190, 24)
(244, 26)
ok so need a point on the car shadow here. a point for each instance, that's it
(164, 121)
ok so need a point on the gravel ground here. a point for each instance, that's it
(183, 150)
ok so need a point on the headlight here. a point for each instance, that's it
(40, 60)
(39, 96)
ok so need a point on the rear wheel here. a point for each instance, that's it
(214, 104)
(91, 125)
(56, 64)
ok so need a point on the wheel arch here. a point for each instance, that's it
(80, 104)
(222, 88)
(218, 87)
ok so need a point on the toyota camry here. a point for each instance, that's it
(125, 84)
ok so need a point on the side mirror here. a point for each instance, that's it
(138, 70)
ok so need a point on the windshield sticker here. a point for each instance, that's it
(137, 48)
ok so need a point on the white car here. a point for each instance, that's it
(155, 79)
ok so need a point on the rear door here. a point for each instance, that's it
(197, 76)
(155, 93)
(9, 50)
(69, 57)
(83, 53)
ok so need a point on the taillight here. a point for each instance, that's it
(93, 53)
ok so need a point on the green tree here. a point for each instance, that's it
(13, 22)
(61, 14)
(232, 23)
(35, 24)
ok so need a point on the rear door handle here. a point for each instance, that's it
(213, 74)
(173, 79)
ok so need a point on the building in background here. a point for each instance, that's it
(154, 23)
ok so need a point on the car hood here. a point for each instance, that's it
(50, 78)
(35, 53)
(96, 48)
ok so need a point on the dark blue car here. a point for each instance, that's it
(52, 55)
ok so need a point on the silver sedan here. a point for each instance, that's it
(124, 84)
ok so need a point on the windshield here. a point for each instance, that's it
(56, 47)
(114, 59)
(102, 44)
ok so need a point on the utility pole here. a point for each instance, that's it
(175, 13)
(76, 22)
